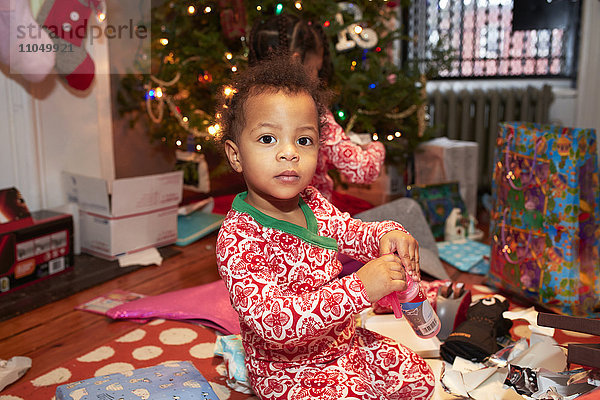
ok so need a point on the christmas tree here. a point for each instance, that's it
(197, 46)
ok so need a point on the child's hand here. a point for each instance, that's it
(407, 249)
(382, 276)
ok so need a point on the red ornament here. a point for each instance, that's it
(204, 77)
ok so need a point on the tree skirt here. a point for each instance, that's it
(153, 343)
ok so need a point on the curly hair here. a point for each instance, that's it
(286, 34)
(273, 75)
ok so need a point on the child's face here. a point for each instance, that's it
(278, 146)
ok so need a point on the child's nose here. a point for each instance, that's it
(288, 152)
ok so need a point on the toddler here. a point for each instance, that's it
(277, 247)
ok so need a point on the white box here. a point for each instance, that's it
(125, 215)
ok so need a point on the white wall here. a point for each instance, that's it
(46, 128)
(18, 141)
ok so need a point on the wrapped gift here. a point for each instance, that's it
(443, 160)
(173, 380)
(545, 221)
(437, 202)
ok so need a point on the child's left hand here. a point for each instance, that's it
(407, 249)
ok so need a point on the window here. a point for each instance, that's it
(496, 38)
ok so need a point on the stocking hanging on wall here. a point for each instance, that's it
(24, 46)
(66, 22)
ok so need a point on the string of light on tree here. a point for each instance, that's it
(365, 38)
(100, 8)
(166, 100)
(159, 93)
(353, 35)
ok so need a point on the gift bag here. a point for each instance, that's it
(545, 220)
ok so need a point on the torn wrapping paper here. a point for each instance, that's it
(592, 377)
(230, 348)
(144, 257)
(560, 383)
(523, 380)
(528, 370)
(474, 380)
(189, 304)
(543, 351)
(13, 369)
(538, 382)
(531, 316)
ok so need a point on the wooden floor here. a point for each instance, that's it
(55, 333)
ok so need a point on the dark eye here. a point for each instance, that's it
(305, 141)
(267, 139)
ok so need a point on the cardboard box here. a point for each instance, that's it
(387, 187)
(33, 246)
(125, 215)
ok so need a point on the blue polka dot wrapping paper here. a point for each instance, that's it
(466, 255)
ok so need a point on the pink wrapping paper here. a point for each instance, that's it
(205, 304)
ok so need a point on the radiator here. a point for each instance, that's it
(474, 115)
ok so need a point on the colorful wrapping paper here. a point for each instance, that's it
(545, 223)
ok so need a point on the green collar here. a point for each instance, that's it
(309, 234)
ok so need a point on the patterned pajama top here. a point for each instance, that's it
(354, 163)
(296, 315)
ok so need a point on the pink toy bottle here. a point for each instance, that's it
(413, 303)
